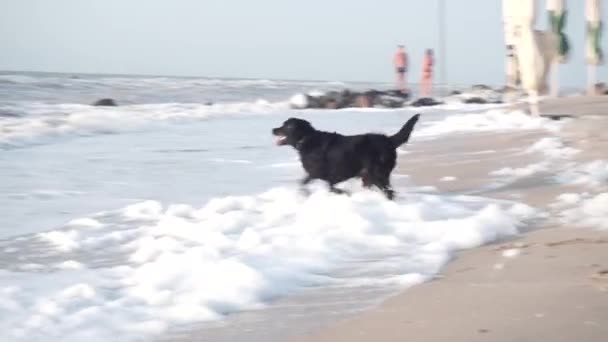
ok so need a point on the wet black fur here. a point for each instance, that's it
(334, 158)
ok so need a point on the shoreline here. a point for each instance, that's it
(541, 294)
(481, 158)
(549, 283)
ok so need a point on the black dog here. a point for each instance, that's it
(334, 158)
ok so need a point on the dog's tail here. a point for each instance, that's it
(404, 134)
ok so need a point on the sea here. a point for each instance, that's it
(175, 216)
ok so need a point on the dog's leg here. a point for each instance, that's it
(365, 179)
(384, 184)
(332, 188)
(306, 180)
(389, 192)
(303, 183)
(338, 191)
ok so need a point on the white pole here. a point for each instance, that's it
(555, 79)
(591, 79)
(442, 46)
(510, 27)
(529, 56)
(594, 53)
(557, 15)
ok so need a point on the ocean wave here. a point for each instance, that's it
(158, 82)
(47, 121)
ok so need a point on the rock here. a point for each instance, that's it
(389, 98)
(475, 100)
(455, 92)
(388, 101)
(600, 89)
(425, 102)
(331, 104)
(481, 87)
(330, 100)
(347, 99)
(105, 102)
(350, 99)
(315, 102)
(405, 95)
(483, 94)
(336, 100)
(364, 101)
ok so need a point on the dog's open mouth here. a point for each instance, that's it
(281, 140)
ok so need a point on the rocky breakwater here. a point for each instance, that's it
(478, 94)
(351, 99)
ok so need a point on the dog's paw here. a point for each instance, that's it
(390, 194)
(339, 191)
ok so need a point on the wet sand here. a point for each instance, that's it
(555, 290)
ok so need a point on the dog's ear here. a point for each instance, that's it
(304, 124)
(293, 121)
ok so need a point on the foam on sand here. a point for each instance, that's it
(554, 152)
(492, 120)
(147, 267)
(592, 174)
(448, 179)
(552, 147)
(525, 171)
(584, 210)
(511, 253)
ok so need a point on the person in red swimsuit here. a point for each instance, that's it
(426, 85)
(401, 63)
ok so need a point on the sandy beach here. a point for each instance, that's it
(164, 230)
(229, 171)
(550, 283)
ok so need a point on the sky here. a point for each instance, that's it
(345, 40)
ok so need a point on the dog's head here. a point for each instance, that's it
(292, 131)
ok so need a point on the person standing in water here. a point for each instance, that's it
(426, 85)
(401, 63)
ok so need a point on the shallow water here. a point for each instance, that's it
(141, 220)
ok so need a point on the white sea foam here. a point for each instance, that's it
(46, 121)
(552, 147)
(584, 210)
(525, 171)
(448, 179)
(69, 265)
(299, 101)
(183, 264)
(593, 174)
(85, 222)
(554, 151)
(492, 120)
(126, 275)
(511, 253)
(65, 240)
